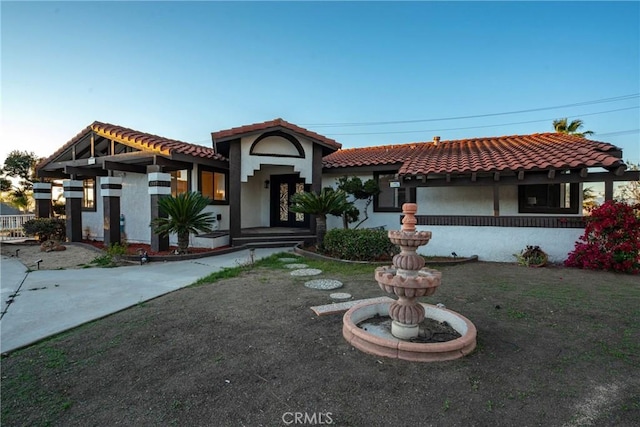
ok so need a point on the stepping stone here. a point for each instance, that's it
(306, 272)
(341, 307)
(288, 259)
(324, 284)
(340, 296)
(296, 265)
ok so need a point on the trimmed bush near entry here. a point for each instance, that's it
(46, 228)
(359, 244)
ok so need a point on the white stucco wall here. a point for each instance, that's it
(489, 243)
(499, 243)
(250, 163)
(135, 204)
(93, 220)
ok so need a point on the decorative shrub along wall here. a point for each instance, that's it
(359, 244)
(46, 228)
(611, 240)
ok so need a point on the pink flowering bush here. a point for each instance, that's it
(611, 240)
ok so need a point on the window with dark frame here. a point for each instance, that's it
(179, 182)
(89, 194)
(214, 184)
(548, 198)
(392, 196)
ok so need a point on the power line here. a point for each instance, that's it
(473, 127)
(620, 132)
(577, 104)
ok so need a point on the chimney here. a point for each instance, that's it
(436, 139)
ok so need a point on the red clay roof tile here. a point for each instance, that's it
(495, 154)
(140, 140)
(273, 125)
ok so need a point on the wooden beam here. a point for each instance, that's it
(520, 175)
(584, 172)
(112, 147)
(124, 167)
(172, 164)
(85, 171)
(496, 200)
(620, 170)
(73, 152)
(51, 174)
(551, 174)
(608, 190)
(448, 177)
(93, 145)
(496, 176)
(529, 179)
(474, 177)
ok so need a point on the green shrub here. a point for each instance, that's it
(117, 249)
(359, 244)
(46, 228)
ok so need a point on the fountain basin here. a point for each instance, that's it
(386, 345)
(423, 283)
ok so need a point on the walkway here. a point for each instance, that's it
(47, 302)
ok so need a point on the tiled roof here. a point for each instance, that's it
(274, 125)
(493, 154)
(140, 140)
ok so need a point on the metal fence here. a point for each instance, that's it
(11, 226)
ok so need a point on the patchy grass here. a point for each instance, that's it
(246, 349)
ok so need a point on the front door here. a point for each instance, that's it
(283, 187)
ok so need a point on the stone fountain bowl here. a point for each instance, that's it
(423, 284)
(409, 238)
(387, 345)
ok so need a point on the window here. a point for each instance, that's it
(214, 185)
(391, 197)
(548, 198)
(179, 182)
(89, 194)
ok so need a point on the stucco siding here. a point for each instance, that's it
(252, 163)
(499, 243)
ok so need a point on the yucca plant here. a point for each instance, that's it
(328, 201)
(184, 216)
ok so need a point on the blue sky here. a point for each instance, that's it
(183, 69)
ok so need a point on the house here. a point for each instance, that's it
(486, 196)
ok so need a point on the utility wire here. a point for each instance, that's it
(473, 127)
(577, 104)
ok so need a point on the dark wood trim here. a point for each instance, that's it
(171, 165)
(608, 190)
(316, 179)
(235, 187)
(293, 140)
(530, 178)
(85, 171)
(124, 167)
(496, 200)
(502, 221)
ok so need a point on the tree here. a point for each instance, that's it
(573, 128)
(630, 192)
(184, 216)
(22, 166)
(588, 199)
(359, 191)
(328, 201)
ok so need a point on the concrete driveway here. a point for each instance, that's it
(39, 304)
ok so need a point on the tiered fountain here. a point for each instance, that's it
(409, 280)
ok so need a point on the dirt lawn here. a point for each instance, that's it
(556, 347)
(74, 256)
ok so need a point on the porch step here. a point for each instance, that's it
(272, 240)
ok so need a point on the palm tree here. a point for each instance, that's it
(328, 201)
(185, 216)
(573, 128)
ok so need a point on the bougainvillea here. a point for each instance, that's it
(611, 240)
